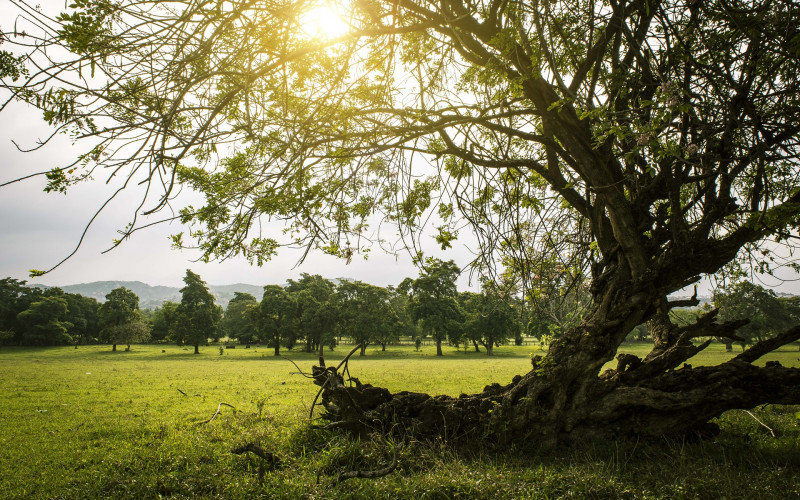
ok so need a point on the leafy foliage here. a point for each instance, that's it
(44, 322)
(119, 318)
(235, 322)
(432, 300)
(197, 315)
(766, 312)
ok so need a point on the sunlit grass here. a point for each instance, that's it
(87, 423)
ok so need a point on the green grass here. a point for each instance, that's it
(89, 423)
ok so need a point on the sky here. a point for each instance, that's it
(37, 230)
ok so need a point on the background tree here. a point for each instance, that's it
(489, 319)
(15, 297)
(275, 314)
(83, 312)
(197, 314)
(647, 142)
(316, 313)
(765, 312)
(164, 322)
(432, 300)
(365, 313)
(405, 325)
(43, 322)
(235, 322)
(116, 314)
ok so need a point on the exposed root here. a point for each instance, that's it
(196, 395)
(323, 376)
(368, 474)
(259, 452)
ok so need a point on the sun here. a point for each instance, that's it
(323, 22)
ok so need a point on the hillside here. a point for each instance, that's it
(151, 296)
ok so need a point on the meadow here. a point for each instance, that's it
(91, 423)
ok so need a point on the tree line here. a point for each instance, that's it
(314, 312)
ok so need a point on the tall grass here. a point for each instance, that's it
(89, 423)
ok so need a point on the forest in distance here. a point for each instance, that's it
(313, 312)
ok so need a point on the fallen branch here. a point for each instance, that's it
(347, 358)
(216, 413)
(314, 403)
(368, 474)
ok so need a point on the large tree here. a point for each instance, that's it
(490, 319)
(235, 322)
(648, 142)
(274, 318)
(432, 300)
(197, 314)
(43, 322)
(119, 318)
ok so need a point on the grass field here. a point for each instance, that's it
(89, 423)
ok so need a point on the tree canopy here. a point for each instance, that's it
(235, 322)
(432, 300)
(197, 316)
(120, 320)
(637, 144)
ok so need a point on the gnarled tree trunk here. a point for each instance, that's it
(565, 397)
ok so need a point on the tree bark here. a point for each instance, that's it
(439, 347)
(113, 347)
(197, 348)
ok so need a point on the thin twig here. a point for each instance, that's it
(182, 392)
(299, 370)
(762, 423)
(216, 413)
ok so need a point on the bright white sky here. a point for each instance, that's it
(39, 229)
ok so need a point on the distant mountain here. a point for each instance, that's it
(151, 297)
